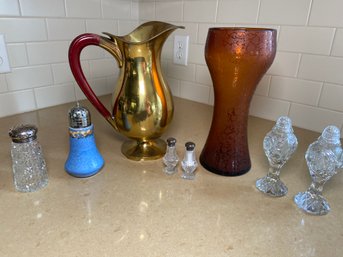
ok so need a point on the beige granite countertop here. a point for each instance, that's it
(133, 209)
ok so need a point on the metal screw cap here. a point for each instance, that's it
(23, 133)
(190, 146)
(171, 141)
(79, 117)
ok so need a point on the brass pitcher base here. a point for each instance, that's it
(144, 150)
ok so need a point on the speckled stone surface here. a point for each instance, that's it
(133, 209)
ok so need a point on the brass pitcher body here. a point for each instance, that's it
(142, 104)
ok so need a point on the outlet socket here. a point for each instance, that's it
(4, 63)
(181, 50)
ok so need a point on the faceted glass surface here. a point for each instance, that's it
(279, 145)
(323, 158)
(29, 167)
(170, 160)
(189, 165)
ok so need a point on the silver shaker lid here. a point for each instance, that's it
(79, 117)
(23, 133)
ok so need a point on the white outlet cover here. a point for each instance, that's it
(180, 54)
(4, 62)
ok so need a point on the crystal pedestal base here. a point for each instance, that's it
(271, 186)
(312, 203)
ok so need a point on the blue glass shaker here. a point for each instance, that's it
(84, 159)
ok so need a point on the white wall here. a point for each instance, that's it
(306, 78)
(305, 81)
(38, 34)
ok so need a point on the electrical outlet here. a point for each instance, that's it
(4, 63)
(181, 49)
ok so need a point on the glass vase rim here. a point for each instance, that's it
(241, 29)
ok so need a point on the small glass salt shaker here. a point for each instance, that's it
(28, 163)
(189, 163)
(171, 158)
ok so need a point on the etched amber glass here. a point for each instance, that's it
(237, 59)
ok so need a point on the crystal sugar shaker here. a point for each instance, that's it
(29, 167)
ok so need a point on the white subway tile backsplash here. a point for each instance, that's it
(47, 52)
(17, 55)
(168, 11)
(17, 102)
(23, 29)
(116, 9)
(3, 83)
(337, 48)
(295, 90)
(285, 64)
(53, 95)
(321, 68)
(191, 30)
(312, 118)
(268, 108)
(233, 11)
(326, 13)
(181, 72)
(83, 8)
(315, 40)
(99, 26)
(263, 86)
(174, 85)
(199, 11)
(290, 12)
(203, 31)
(9, 8)
(332, 97)
(47, 8)
(29, 77)
(125, 26)
(202, 75)
(305, 80)
(196, 54)
(147, 10)
(103, 68)
(194, 92)
(64, 29)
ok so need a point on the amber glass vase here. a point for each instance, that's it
(237, 59)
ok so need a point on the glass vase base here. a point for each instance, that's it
(223, 172)
(271, 186)
(312, 203)
(151, 149)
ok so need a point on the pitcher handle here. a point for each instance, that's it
(75, 49)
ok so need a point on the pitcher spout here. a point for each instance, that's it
(147, 32)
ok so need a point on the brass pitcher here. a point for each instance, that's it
(142, 104)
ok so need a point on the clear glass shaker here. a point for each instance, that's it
(171, 158)
(29, 167)
(189, 163)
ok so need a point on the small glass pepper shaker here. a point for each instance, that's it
(84, 159)
(29, 167)
(189, 163)
(171, 158)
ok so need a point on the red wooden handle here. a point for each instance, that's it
(75, 49)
